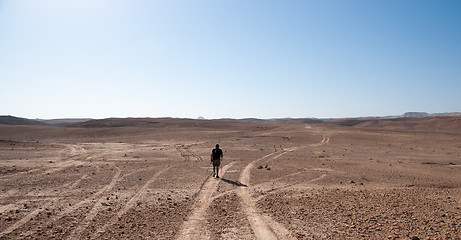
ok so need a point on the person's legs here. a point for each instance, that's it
(216, 164)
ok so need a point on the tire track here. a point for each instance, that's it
(259, 223)
(282, 188)
(192, 228)
(131, 203)
(34, 213)
(187, 153)
(198, 157)
(263, 226)
(96, 207)
(72, 208)
(74, 152)
(28, 217)
(277, 189)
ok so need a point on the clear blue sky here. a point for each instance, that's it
(234, 58)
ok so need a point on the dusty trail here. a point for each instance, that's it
(259, 223)
(263, 226)
(193, 227)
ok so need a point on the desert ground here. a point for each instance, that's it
(150, 179)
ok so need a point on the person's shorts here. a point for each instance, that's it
(216, 163)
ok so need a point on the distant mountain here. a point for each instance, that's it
(425, 114)
(415, 114)
(10, 120)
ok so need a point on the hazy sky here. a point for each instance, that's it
(229, 58)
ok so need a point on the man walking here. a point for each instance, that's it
(216, 157)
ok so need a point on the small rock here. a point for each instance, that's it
(260, 167)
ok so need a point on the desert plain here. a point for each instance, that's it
(289, 179)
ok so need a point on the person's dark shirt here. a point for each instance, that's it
(217, 152)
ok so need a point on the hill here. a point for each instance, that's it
(10, 120)
(165, 123)
(423, 124)
(63, 122)
(281, 120)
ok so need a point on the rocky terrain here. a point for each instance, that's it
(291, 179)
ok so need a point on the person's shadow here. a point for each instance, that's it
(238, 184)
